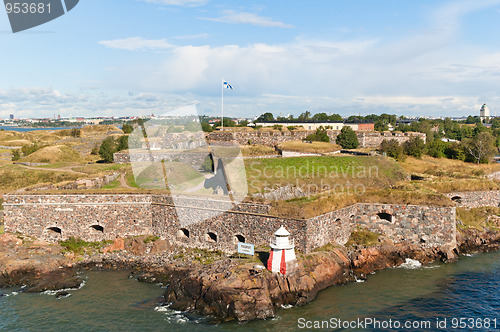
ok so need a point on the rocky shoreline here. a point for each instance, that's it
(227, 288)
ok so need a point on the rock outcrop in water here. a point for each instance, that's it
(36, 265)
(236, 292)
(226, 288)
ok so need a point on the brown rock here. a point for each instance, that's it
(160, 246)
(118, 245)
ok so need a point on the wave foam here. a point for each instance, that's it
(411, 264)
(173, 316)
(54, 292)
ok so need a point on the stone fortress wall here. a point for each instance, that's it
(367, 139)
(98, 217)
(473, 199)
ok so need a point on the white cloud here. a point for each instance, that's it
(188, 37)
(183, 3)
(231, 16)
(137, 44)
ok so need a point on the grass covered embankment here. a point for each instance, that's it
(448, 175)
(306, 147)
(322, 173)
(330, 183)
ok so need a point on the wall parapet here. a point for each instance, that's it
(473, 199)
(98, 217)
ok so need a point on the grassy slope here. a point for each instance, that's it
(314, 147)
(53, 154)
(445, 175)
(477, 217)
(257, 150)
(15, 177)
(324, 172)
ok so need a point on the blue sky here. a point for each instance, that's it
(137, 57)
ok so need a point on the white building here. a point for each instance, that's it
(484, 113)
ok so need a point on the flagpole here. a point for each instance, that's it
(222, 119)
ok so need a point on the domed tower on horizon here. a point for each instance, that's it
(484, 113)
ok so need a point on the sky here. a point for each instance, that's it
(141, 57)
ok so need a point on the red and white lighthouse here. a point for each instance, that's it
(282, 256)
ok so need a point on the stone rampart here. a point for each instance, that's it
(473, 199)
(97, 217)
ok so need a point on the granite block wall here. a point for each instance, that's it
(90, 217)
(97, 217)
(473, 199)
(366, 139)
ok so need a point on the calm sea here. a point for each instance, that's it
(23, 129)
(111, 301)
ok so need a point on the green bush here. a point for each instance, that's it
(122, 143)
(16, 155)
(108, 147)
(127, 128)
(392, 148)
(437, 148)
(95, 150)
(29, 149)
(415, 147)
(206, 127)
(319, 136)
(348, 138)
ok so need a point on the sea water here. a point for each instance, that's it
(113, 301)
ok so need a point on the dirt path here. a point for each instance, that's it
(123, 182)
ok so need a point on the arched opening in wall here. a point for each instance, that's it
(183, 233)
(457, 199)
(385, 216)
(211, 237)
(97, 228)
(239, 238)
(55, 230)
(337, 221)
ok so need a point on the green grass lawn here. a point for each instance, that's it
(323, 172)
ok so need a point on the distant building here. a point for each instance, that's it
(12, 117)
(316, 125)
(484, 113)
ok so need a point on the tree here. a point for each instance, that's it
(127, 128)
(415, 147)
(75, 132)
(320, 117)
(481, 148)
(437, 148)
(108, 147)
(206, 127)
(335, 118)
(227, 123)
(320, 135)
(392, 148)
(348, 138)
(455, 150)
(266, 117)
(381, 126)
(305, 117)
(122, 143)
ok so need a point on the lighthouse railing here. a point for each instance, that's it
(273, 242)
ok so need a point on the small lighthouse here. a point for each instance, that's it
(282, 256)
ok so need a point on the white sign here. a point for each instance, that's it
(245, 248)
